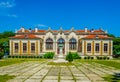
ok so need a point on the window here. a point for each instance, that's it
(105, 47)
(72, 44)
(33, 47)
(24, 47)
(49, 44)
(16, 47)
(88, 47)
(97, 47)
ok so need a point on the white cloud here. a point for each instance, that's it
(41, 25)
(7, 4)
(12, 15)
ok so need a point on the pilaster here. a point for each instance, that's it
(101, 47)
(36, 47)
(84, 47)
(20, 47)
(93, 44)
(28, 47)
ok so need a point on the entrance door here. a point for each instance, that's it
(61, 46)
(61, 50)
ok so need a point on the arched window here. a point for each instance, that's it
(61, 41)
(49, 44)
(72, 44)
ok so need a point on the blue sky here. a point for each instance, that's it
(95, 14)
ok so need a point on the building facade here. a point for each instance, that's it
(85, 42)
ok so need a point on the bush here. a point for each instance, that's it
(104, 57)
(1, 55)
(85, 57)
(91, 57)
(9, 56)
(75, 55)
(101, 58)
(49, 55)
(69, 57)
(108, 58)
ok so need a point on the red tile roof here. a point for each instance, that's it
(31, 36)
(97, 36)
(55, 31)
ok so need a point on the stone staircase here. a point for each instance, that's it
(59, 59)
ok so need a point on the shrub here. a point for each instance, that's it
(100, 58)
(108, 58)
(26, 56)
(104, 57)
(16, 56)
(13, 56)
(91, 57)
(85, 57)
(97, 57)
(20, 57)
(49, 55)
(9, 56)
(1, 55)
(88, 57)
(69, 57)
(75, 55)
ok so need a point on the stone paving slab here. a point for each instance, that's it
(33, 80)
(51, 77)
(66, 77)
(50, 81)
(67, 81)
(39, 71)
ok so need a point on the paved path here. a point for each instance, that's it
(41, 72)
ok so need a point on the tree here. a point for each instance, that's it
(69, 57)
(4, 42)
(111, 35)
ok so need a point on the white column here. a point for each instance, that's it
(65, 46)
(111, 47)
(68, 47)
(56, 47)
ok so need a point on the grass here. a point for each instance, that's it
(60, 64)
(10, 61)
(5, 78)
(111, 78)
(111, 63)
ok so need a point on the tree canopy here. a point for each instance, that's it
(4, 38)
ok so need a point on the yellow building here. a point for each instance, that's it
(37, 42)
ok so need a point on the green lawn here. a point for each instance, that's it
(111, 63)
(5, 78)
(10, 61)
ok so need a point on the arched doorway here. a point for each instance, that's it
(61, 46)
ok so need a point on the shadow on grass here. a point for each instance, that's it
(112, 78)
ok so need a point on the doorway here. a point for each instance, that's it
(61, 46)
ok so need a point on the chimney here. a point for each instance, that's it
(30, 30)
(85, 29)
(22, 28)
(36, 29)
(92, 30)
